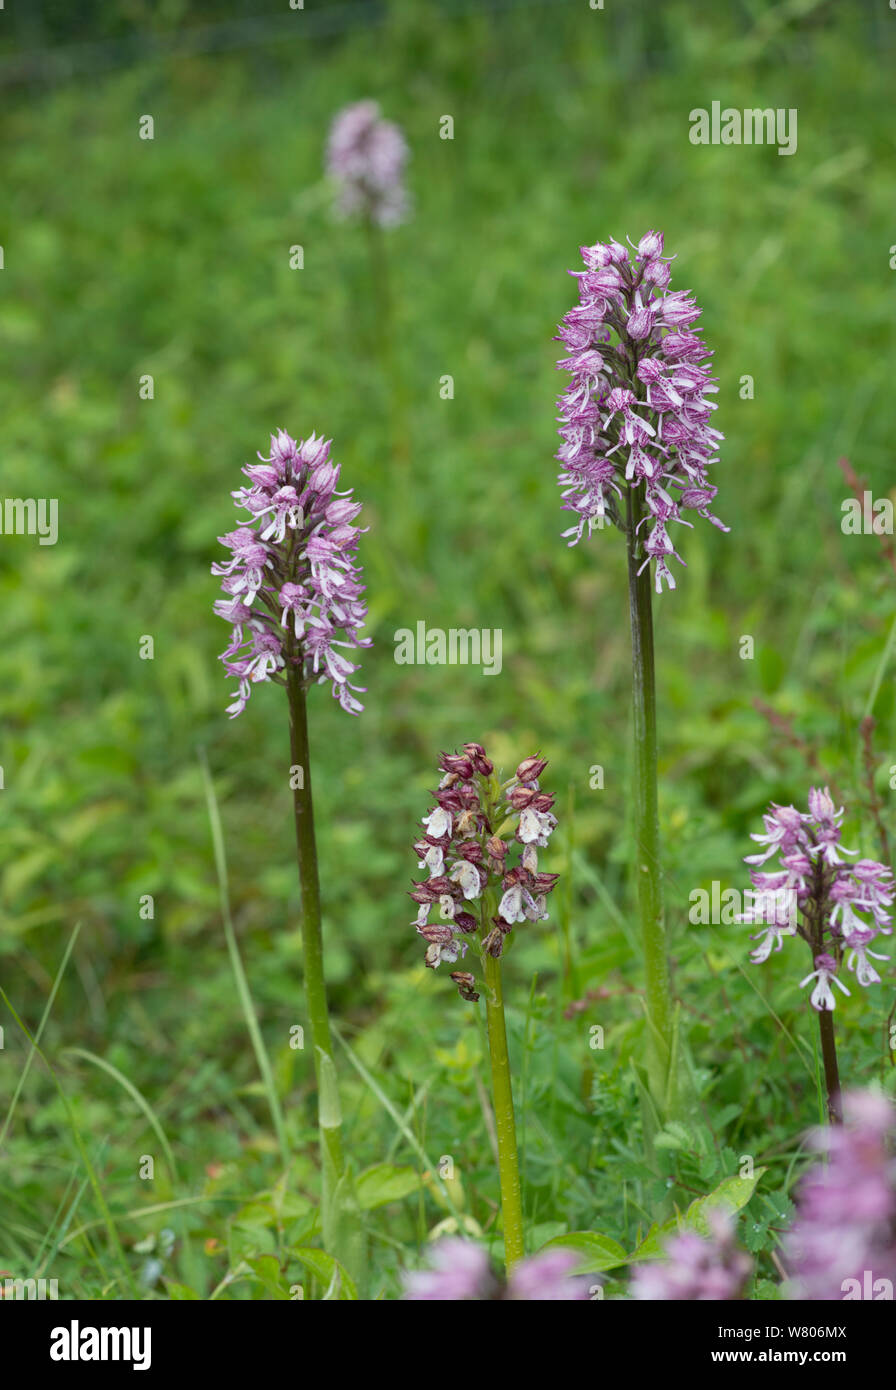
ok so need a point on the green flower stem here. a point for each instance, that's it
(411, 543)
(502, 1095)
(329, 1122)
(647, 834)
(385, 334)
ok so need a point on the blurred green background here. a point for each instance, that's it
(125, 257)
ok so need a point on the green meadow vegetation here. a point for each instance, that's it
(169, 258)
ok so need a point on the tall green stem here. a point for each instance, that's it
(502, 1094)
(329, 1118)
(385, 334)
(647, 833)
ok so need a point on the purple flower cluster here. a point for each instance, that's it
(636, 409)
(291, 588)
(366, 157)
(466, 850)
(696, 1269)
(837, 907)
(843, 1241)
(462, 1272)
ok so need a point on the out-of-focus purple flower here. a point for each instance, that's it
(461, 1272)
(838, 907)
(843, 1240)
(696, 1269)
(291, 588)
(548, 1278)
(636, 409)
(366, 156)
(464, 858)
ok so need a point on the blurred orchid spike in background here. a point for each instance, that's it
(366, 156)
(636, 410)
(365, 160)
(838, 904)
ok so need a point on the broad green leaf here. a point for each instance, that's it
(256, 1215)
(385, 1183)
(267, 1269)
(598, 1252)
(730, 1196)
